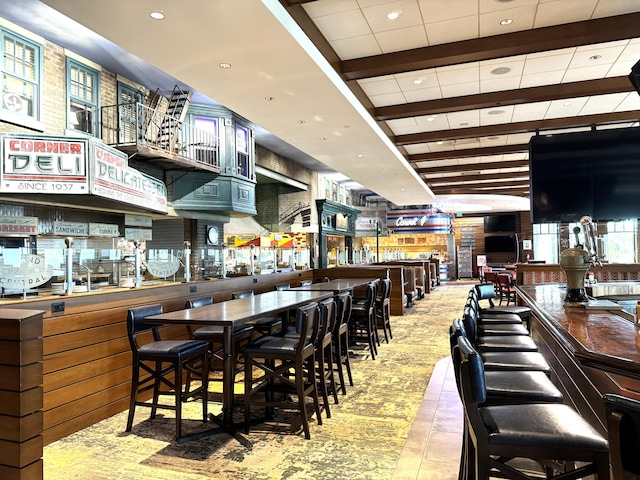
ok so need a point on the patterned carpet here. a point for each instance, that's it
(362, 440)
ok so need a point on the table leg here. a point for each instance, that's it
(227, 377)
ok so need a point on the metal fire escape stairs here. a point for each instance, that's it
(178, 104)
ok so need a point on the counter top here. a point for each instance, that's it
(598, 338)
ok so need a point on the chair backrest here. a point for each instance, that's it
(307, 324)
(305, 283)
(470, 322)
(283, 286)
(485, 291)
(386, 289)
(198, 302)
(491, 277)
(327, 319)
(471, 369)
(344, 302)
(326, 279)
(370, 296)
(245, 294)
(136, 322)
(504, 280)
(623, 425)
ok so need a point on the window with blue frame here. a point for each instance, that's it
(21, 65)
(83, 87)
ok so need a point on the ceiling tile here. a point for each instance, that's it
(465, 119)
(388, 99)
(544, 78)
(417, 80)
(496, 115)
(455, 30)
(439, 10)
(530, 111)
(631, 102)
(460, 89)
(585, 73)
(499, 84)
(603, 103)
(356, 47)
(547, 63)
(563, 11)
(432, 123)
(498, 5)
(423, 94)
(402, 39)
(458, 75)
(346, 24)
(328, 7)
(566, 107)
(606, 8)
(383, 85)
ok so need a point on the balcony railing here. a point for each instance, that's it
(135, 126)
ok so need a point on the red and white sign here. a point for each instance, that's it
(33, 164)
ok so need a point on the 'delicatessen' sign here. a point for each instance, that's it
(66, 165)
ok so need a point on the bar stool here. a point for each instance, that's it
(363, 321)
(383, 309)
(545, 433)
(287, 364)
(168, 359)
(494, 342)
(486, 291)
(623, 425)
(340, 338)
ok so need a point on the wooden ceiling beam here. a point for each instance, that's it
(607, 29)
(469, 152)
(517, 127)
(473, 167)
(520, 96)
(520, 192)
(477, 177)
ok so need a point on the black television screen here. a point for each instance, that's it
(499, 223)
(500, 244)
(595, 173)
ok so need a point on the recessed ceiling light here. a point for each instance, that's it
(494, 137)
(495, 112)
(157, 15)
(301, 122)
(394, 15)
(567, 104)
(418, 81)
(506, 21)
(464, 124)
(431, 118)
(323, 138)
(269, 99)
(439, 142)
(595, 57)
(500, 71)
(361, 155)
(224, 65)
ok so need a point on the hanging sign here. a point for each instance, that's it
(44, 164)
(21, 226)
(73, 229)
(103, 230)
(28, 271)
(411, 221)
(112, 178)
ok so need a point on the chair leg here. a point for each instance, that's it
(331, 374)
(178, 398)
(156, 389)
(345, 355)
(322, 381)
(135, 378)
(337, 347)
(387, 313)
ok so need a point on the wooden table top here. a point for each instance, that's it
(600, 338)
(336, 285)
(242, 310)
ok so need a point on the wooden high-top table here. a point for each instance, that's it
(227, 315)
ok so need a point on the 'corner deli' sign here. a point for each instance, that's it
(32, 164)
(113, 178)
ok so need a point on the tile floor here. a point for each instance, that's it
(432, 450)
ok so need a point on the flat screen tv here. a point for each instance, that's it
(595, 173)
(499, 223)
(500, 244)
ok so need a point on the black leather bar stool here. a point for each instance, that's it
(486, 291)
(164, 361)
(286, 364)
(363, 321)
(383, 308)
(340, 338)
(502, 360)
(623, 425)
(495, 343)
(546, 433)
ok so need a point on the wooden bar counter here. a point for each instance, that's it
(592, 352)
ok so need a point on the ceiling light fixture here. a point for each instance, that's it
(566, 104)
(418, 81)
(495, 112)
(361, 155)
(506, 21)
(301, 122)
(431, 118)
(269, 99)
(157, 15)
(500, 71)
(224, 65)
(394, 15)
(595, 57)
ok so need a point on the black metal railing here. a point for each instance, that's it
(135, 124)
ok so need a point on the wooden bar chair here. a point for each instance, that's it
(340, 339)
(285, 365)
(623, 425)
(163, 362)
